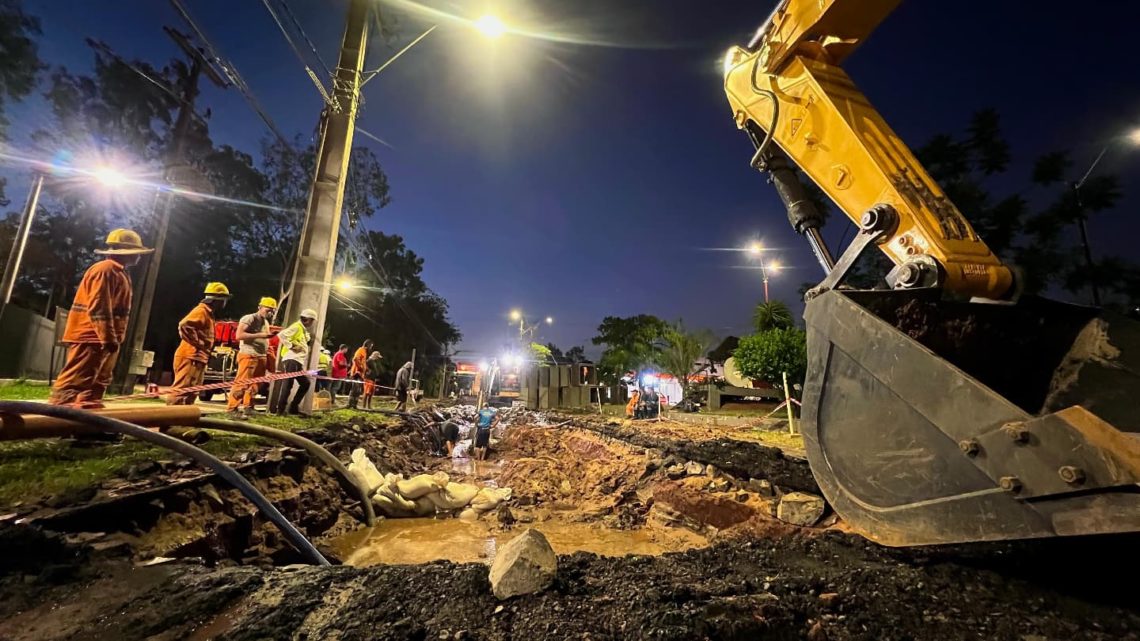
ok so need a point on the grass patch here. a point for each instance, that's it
(780, 438)
(24, 391)
(31, 470)
(321, 420)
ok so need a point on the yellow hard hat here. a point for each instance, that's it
(216, 289)
(268, 301)
(309, 312)
(123, 242)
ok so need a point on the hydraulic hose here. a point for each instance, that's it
(107, 424)
(297, 440)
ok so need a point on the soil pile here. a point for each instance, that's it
(832, 587)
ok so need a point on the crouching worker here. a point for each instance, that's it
(193, 354)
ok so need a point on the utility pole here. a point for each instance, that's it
(313, 271)
(16, 256)
(124, 380)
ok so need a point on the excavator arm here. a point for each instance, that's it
(787, 89)
(943, 411)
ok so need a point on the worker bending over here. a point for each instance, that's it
(97, 323)
(403, 382)
(253, 334)
(295, 340)
(193, 354)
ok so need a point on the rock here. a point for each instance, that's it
(817, 633)
(742, 497)
(565, 488)
(211, 494)
(763, 487)
(718, 485)
(693, 468)
(800, 508)
(829, 600)
(711, 470)
(469, 515)
(364, 471)
(525, 565)
(675, 472)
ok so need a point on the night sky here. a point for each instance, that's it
(581, 181)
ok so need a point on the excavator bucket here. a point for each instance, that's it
(931, 422)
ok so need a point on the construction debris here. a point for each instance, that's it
(525, 565)
(424, 494)
(800, 508)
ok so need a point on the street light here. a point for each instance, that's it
(109, 177)
(756, 249)
(345, 283)
(491, 26)
(549, 320)
(1133, 138)
(516, 315)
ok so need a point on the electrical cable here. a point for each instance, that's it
(297, 52)
(301, 30)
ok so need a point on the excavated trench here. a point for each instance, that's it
(651, 544)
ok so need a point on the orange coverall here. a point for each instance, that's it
(96, 327)
(197, 332)
(248, 366)
(632, 404)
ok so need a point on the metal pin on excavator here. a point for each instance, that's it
(947, 408)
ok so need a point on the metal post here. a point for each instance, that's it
(19, 243)
(788, 402)
(765, 288)
(316, 254)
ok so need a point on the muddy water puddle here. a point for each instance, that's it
(412, 541)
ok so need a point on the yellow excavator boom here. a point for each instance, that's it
(947, 409)
(789, 84)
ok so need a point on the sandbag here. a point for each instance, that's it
(490, 498)
(422, 485)
(389, 508)
(469, 515)
(425, 506)
(398, 500)
(365, 473)
(454, 496)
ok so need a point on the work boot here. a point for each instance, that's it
(296, 411)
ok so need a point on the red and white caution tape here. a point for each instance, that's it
(215, 386)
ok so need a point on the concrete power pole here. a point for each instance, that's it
(313, 271)
(124, 380)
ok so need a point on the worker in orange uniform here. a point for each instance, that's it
(358, 372)
(253, 334)
(193, 354)
(97, 323)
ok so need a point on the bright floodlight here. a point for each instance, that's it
(774, 266)
(648, 379)
(1134, 136)
(109, 177)
(549, 320)
(483, 366)
(490, 26)
(345, 284)
(516, 314)
(755, 248)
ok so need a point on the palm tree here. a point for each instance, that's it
(681, 352)
(772, 315)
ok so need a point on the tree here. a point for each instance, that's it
(19, 63)
(681, 351)
(767, 355)
(631, 343)
(576, 354)
(541, 354)
(772, 315)
(556, 355)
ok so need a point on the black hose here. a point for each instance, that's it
(108, 424)
(762, 147)
(297, 440)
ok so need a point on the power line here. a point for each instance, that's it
(301, 30)
(233, 76)
(297, 52)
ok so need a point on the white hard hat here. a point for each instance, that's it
(309, 313)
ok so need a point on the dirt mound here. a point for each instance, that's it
(832, 587)
(742, 459)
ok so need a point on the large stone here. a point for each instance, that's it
(675, 472)
(799, 508)
(693, 468)
(525, 565)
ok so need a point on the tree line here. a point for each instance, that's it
(122, 113)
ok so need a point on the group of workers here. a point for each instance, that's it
(643, 404)
(97, 326)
